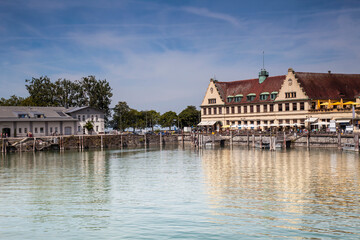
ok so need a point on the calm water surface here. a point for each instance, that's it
(180, 193)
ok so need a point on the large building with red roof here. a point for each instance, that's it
(297, 99)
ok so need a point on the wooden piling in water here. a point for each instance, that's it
(356, 142)
(253, 140)
(339, 141)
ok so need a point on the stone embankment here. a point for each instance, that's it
(83, 142)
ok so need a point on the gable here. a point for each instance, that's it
(213, 95)
(291, 88)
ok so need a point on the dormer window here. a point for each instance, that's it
(230, 98)
(238, 98)
(250, 97)
(39, 116)
(273, 95)
(264, 96)
(23, 115)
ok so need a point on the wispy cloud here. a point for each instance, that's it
(204, 12)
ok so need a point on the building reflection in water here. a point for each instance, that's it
(302, 190)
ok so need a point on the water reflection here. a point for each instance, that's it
(298, 190)
(46, 188)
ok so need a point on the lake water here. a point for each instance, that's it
(219, 193)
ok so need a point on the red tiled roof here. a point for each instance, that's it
(245, 87)
(329, 85)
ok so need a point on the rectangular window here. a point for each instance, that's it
(227, 122)
(204, 110)
(35, 130)
(97, 128)
(239, 109)
(97, 118)
(287, 106)
(245, 109)
(56, 129)
(220, 110)
(232, 110)
(227, 110)
(25, 130)
(41, 130)
(20, 130)
(79, 129)
(79, 117)
(215, 110)
(83, 118)
(271, 107)
(209, 111)
(280, 107)
(290, 95)
(51, 130)
(294, 106)
(302, 106)
(258, 108)
(265, 108)
(251, 108)
(273, 96)
(212, 100)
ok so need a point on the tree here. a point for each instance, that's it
(42, 91)
(89, 126)
(16, 101)
(168, 119)
(152, 118)
(97, 93)
(69, 94)
(120, 117)
(189, 117)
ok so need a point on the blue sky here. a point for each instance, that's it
(161, 54)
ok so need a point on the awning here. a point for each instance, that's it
(342, 121)
(226, 126)
(285, 124)
(239, 95)
(311, 120)
(206, 123)
(320, 123)
(274, 125)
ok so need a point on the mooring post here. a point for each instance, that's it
(79, 142)
(339, 140)
(308, 140)
(260, 141)
(2, 145)
(248, 140)
(253, 140)
(160, 139)
(102, 143)
(356, 142)
(121, 140)
(284, 140)
(34, 147)
(231, 138)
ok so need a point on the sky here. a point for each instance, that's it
(161, 54)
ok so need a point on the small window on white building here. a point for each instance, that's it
(25, 130)
(41, 130)
(56, 129)
(35, 130)
(79, 117)
(20, 130)
(50, 129)
(97, 128)
(79, 128)
(97, 118)
(92, 118)
(83, 118)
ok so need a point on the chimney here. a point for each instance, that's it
(329, 72)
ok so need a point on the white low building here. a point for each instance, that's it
(19, 121)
